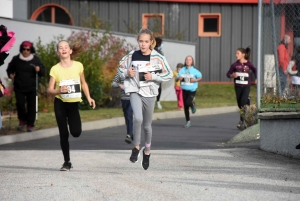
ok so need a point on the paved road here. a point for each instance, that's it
(207, 132)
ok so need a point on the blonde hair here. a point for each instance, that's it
(147, 31)
(76, 48)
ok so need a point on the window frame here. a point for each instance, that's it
(201, 17)
(146, 16)
(40, 9)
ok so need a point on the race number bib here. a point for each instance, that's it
(154, 69)
(73, 88)
(242, 78)
(186, 81)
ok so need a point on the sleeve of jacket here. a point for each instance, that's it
(254, 70)
(230, 71)
(167, 73)
(42, 71)
(116, 81)
(124, 64)
(281, 56)
(11, 68)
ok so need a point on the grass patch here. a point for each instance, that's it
(207, 96)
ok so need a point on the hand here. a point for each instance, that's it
(37, 68)
(12, 76)
(192, 80)
(234, 75)
(148, 76)
(63, 89)
(131, 72)
(121, 86)
(255, 81)
(285, 72)
(179, 78)
(92, 103)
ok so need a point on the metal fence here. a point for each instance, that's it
(279, 55)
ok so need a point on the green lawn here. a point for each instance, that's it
(208, 96)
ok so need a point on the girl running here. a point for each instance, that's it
(143, 71)
(240, 71)
(189, 77)
(66, 81)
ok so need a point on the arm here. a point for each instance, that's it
(40, 68)
(116, 82)
(231, 73)
(124, 65)
(198, 77)
(86, 91)
(166, 75)
(51, 87)
(11, 69)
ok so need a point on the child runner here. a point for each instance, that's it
(143, 70)
(240, 71)
(189, 77)
(66, 81)
(178, 89)
(127, 110)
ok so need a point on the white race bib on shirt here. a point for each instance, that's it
(154, 69)
(242, 78)
(73, 88)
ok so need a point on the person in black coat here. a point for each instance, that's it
(23, 70)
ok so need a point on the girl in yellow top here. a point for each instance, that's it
(178, 89)
(66, 81)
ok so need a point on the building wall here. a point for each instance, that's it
(214, 54)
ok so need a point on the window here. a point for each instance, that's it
(154, 22)
(53, 13)
(209, 25)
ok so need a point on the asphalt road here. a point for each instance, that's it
(206, 132)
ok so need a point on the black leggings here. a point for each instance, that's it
(159, 93)
(67, 114)
(242, 94)
(23, 100)
(188, 102)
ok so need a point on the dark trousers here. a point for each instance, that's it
(242, 94)
(25, 102)
(283, 80)
(159, 93)
(67, 114)
(188, 98)
(128, 115)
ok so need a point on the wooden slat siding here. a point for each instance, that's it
(103, 11)
(164, 8)
(204, 48)
(254, 35)
(236, 40)
(135, 20)
(143, 8)
(114, 14)
(173, 18)
(225, 46)
(215, 53)
(123, 16)
(184, 24)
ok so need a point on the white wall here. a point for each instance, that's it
(175, 52)
(6, 8)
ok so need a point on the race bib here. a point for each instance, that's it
(186, 81)
(73, 88)
(154, 69)
(242, 78)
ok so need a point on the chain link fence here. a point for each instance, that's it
(280, 55)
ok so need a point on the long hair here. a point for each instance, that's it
(147, 31)
(29, 44)
(192, 59)
(246, 52)
(76, 48)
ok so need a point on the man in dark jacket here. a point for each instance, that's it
(23, 70)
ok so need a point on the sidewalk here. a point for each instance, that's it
(94, 125)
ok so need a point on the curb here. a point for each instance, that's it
(106, 123)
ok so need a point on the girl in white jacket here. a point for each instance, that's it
(143, 71)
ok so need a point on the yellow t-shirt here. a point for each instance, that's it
(70, 77)
(177, 84)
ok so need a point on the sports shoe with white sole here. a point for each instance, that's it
(146, 159)
(134, 155)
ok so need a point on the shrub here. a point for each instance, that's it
(249, 114)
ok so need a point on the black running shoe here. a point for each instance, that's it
(134, 155)
(66, 166)
(146, 159)
(128, 139)
(298, 146)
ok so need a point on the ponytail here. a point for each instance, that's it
(76, 48)
(246, 52)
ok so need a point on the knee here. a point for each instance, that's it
(147, 128)
(138, 120)
(76, 133)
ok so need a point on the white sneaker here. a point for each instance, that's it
(158, 105)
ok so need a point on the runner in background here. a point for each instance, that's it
(189, 77)
(127, 110)
(66, 81)
(240, 71)
(158, 48)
